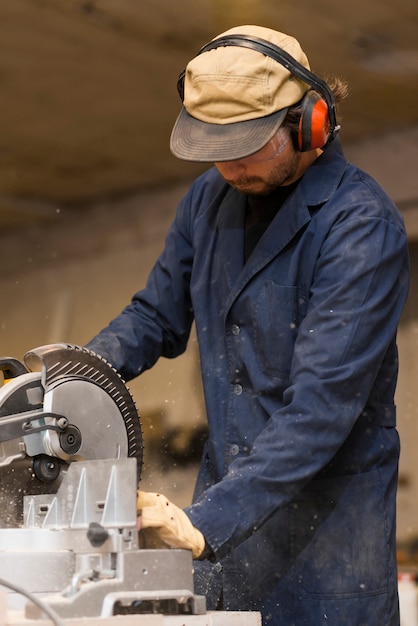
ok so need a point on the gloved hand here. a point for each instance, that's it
(170, 523)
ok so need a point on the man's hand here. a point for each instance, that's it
(170, 523)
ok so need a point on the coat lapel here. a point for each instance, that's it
(291, 218)
(230, 225)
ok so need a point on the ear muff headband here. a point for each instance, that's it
(290, 63)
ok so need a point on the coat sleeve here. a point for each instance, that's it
(357, 294)
(158, 320)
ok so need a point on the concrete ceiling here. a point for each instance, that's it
(88, 87)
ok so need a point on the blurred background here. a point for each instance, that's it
(88, 186)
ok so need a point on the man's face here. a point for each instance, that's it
(276, 164)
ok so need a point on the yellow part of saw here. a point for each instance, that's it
(62, 404)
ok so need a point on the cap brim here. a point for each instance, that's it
(194, 140)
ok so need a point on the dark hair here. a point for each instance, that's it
(339, 90)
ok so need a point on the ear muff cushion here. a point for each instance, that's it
(314, 124)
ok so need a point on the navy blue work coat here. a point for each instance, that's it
(297, 486)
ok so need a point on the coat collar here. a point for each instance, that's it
(324, 176)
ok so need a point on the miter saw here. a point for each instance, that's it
(70, 461)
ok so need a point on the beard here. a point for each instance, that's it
(283, 175)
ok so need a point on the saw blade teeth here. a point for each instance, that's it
(69, 361)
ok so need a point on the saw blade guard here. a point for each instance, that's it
(64, 404)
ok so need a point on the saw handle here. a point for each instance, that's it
(12, 367)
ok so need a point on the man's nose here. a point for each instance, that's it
(229, 169)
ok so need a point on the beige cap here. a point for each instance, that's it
(236, 98)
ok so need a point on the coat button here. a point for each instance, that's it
(235, 329)
(217, 567)
(237, 390)
(234, 449)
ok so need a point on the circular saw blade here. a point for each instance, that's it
(90, 394)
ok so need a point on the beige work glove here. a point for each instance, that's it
(169, 523)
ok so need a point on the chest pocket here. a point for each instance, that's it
(278, 310)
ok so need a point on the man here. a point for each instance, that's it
(293, 265)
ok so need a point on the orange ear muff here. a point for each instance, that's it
(314, 123)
